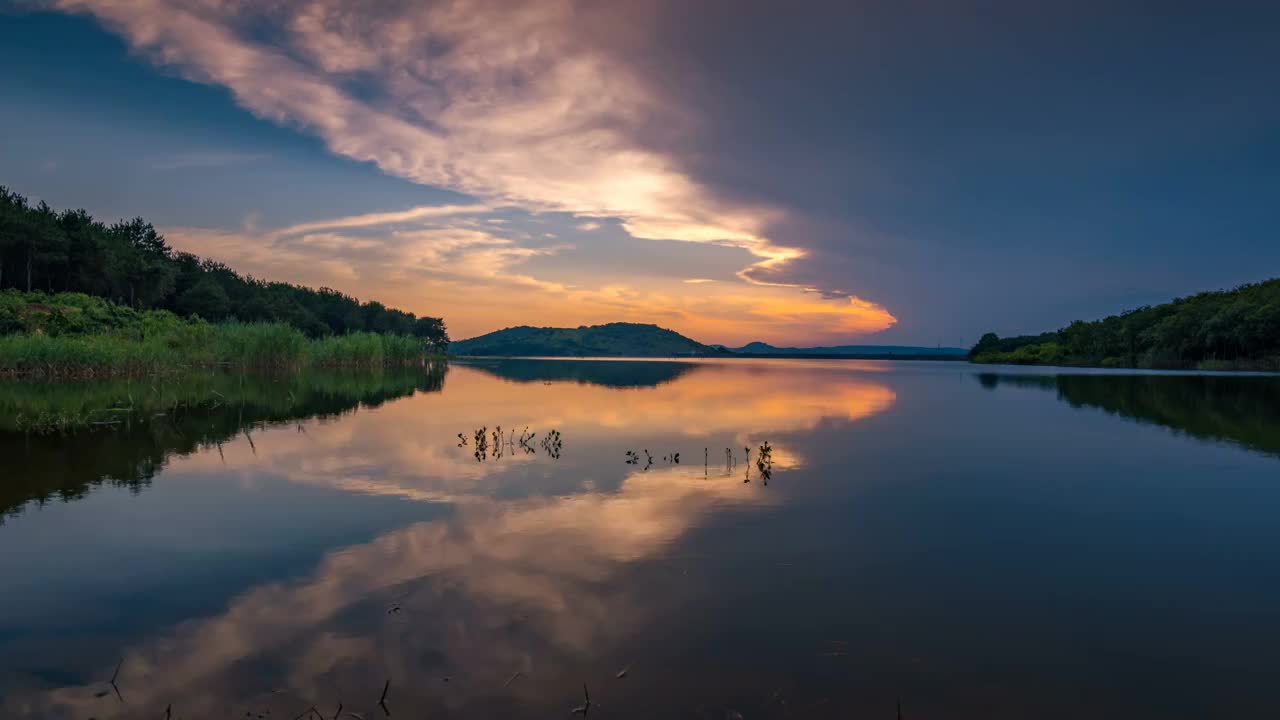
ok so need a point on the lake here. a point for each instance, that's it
(968, 541)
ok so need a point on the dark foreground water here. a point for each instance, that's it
(994, 544)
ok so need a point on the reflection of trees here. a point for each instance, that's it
(61, 439)
(1240, 409)
(610, 373)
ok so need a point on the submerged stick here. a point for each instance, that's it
(586, 705)
(115, 674)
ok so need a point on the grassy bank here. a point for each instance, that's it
(76, 336)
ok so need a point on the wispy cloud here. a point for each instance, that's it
(200, 160)
(516, 104)
(481, 279)
(519, 103)
(425, 212)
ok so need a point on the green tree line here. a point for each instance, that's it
(129, 263)
(1227, 329)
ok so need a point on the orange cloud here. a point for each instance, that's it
(514, 103)
(474, 277)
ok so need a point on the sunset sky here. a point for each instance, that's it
(799, 173)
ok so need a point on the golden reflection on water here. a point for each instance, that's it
(527, 581)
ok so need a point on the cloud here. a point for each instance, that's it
(514, 103)
(425, 212)
(320, 253)
(443, 261)
(204, 160)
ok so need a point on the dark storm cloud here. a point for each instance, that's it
(973, 165)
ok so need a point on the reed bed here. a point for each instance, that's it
(178, 345)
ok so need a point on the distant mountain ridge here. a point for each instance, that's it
(622, 339)
(611, 340)
(760, 348)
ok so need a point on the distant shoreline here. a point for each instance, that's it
(721, 356)
(945, 357)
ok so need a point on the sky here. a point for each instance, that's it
(905, 172)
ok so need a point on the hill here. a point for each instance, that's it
(1223, 330)
(611, 340)
(759, 348)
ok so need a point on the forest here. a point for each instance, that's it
(130, 264)
(1235, 329)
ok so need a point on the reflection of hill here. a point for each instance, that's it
(611, 373)
(1240, 409)
(61, 439)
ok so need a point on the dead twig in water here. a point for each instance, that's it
(586, 705)
(512, 679)
(623, 672)
(115, 674)
(382, 701)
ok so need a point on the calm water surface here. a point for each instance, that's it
(978, 542)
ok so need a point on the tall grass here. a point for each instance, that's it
(354, 350)
(81, 355)
(401, 350)
(73, 335)
(260, 345)
(181, 345)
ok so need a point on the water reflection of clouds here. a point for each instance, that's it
(554, 562)
(528, 583)
(409, 448)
